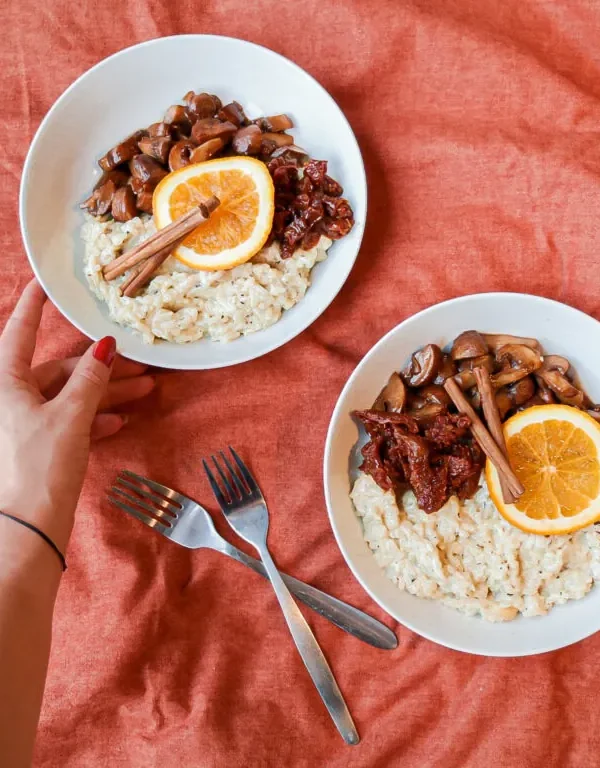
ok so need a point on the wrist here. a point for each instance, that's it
(27, 562)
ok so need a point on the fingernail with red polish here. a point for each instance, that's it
(105, 350)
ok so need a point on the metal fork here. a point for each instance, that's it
(246, 511)
(187, 523)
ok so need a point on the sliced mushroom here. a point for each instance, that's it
(565, 390)
(100, 202)
(160, 130)
(122, 152)
(517, 361)
(469, 344)
(427, 413)
(393, 396)
(274, 123)
(178, 116)
(157, 147)
(432, 394)
(144, 168)
(124, 204)
(211, 128)
(485, 361)
(117, 176)
(446, 370)
(273, 141)
(424, 366)
(544, 392)
(521, 391)
(497, 340)
(248, 140)
(556, 362)
(143, 194)
(207, 150)
(200, 105)
(504, 403)
(233, 113)
(465, 380)
(180, 154)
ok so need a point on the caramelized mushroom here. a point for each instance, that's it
(517, 361)
(469, 344)
(485, 361)
(211, 128)
(544, 392)
(521, 391)
(566, 391)
(207, 150)
(123, 204)
(180, 154)
(465, 379)
(161, 130)
(535, 400)
(178, 116)
(274, 124)
(100, 202)
(433, 394)
(504, 403)
(247, 141)
(424, 366)
(118, 177)
(497, 340)
(556, 362)
(144, 168)
(122, 152)
(427, 413)
(143, 194)
(157, 147)
(393, 396)
(233, 113)
(200, 105)
(446, 370)
(277, 140)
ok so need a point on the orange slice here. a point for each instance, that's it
(555, 452)
(238, 228)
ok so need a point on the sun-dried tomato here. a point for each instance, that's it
(435, 461)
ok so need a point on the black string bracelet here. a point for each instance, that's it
(46, 538)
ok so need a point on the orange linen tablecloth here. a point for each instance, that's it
(479, 122)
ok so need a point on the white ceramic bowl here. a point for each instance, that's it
(132, 89)
(561, 330)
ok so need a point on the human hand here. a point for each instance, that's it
(48, 416)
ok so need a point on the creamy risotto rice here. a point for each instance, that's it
(468, 557)
(180, 304)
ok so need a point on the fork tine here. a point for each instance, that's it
(177, 498)
(169, 506)
(238, 483)
(225, 479)
(223, 503)
(149, 521)
(164, 516)
(246, 474)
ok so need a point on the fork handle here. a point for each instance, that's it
(311, 653)
(344, 616)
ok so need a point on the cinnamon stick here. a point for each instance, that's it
(164, 238)
(483, 437)
(492, 416)
(142, 273)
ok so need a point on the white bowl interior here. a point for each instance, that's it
(561, 330)
(132, 89)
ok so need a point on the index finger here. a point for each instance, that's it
(17, 342)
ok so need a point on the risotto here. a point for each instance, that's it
(180, 304)
(468, 557)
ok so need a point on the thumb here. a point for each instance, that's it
(87, 385)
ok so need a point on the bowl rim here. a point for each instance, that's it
(337, 413)
(196, 363)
